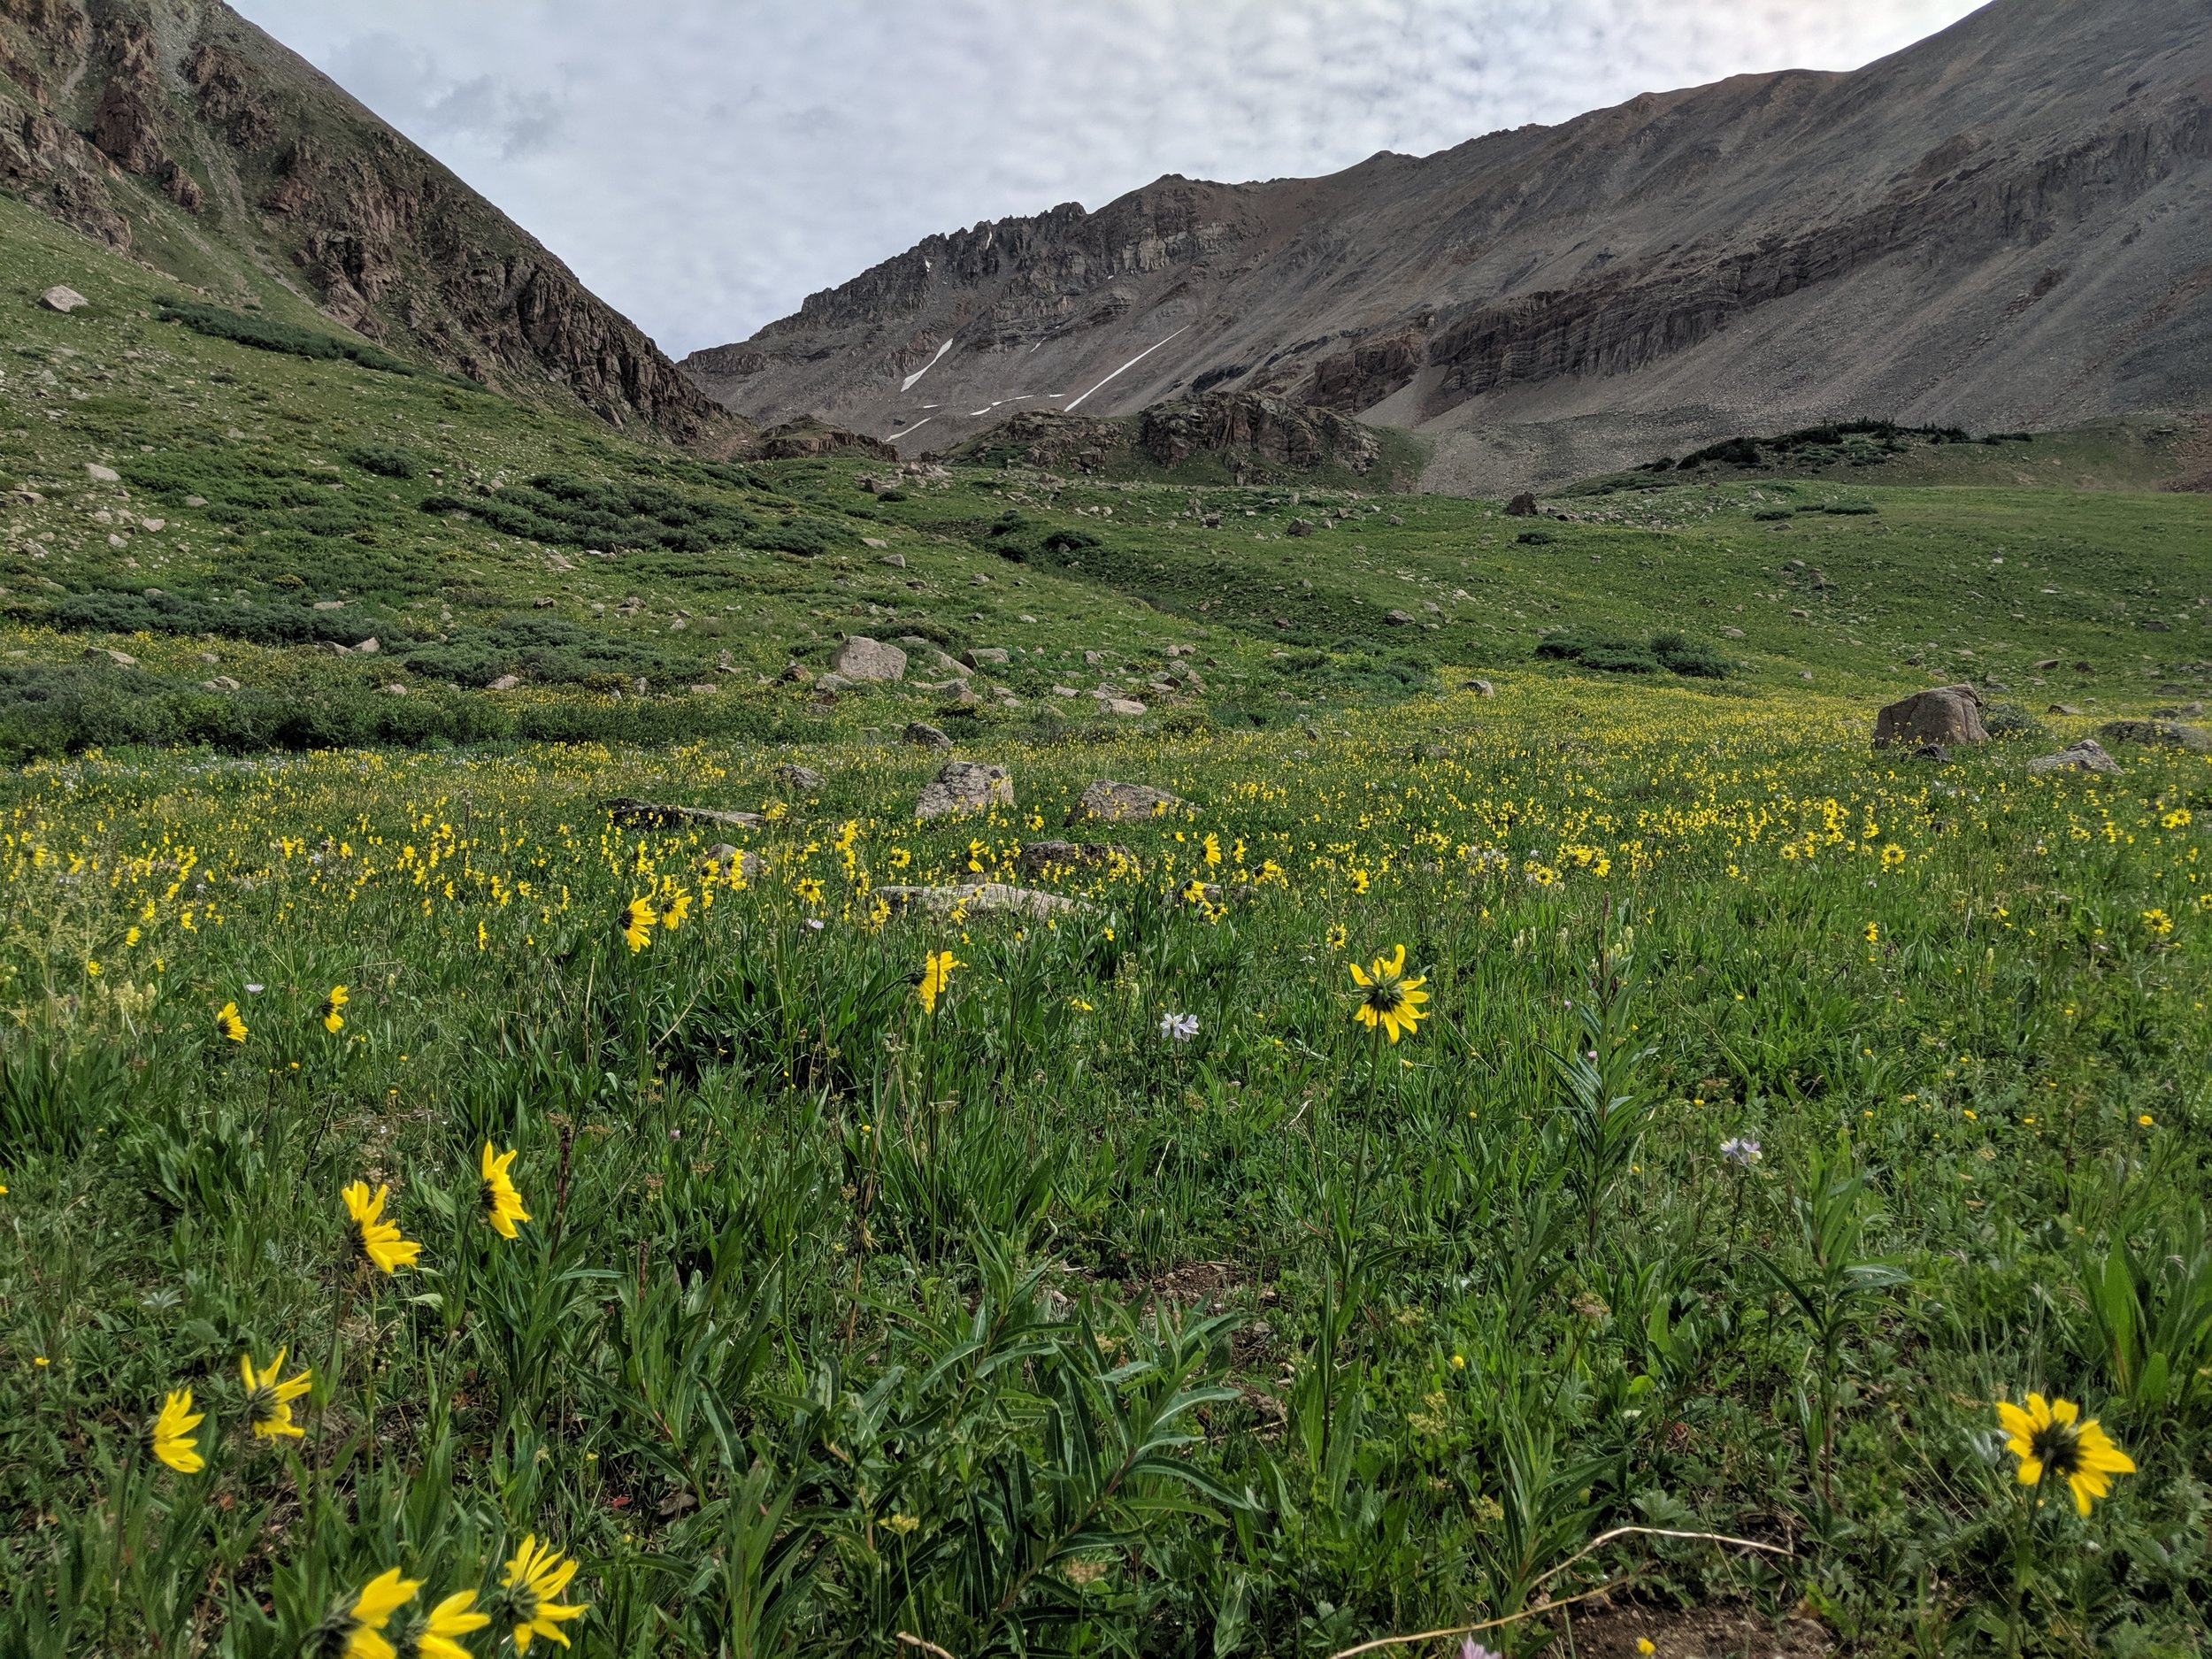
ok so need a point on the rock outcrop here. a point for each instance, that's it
(256, 159)
(1943, 716)
(2158, 734)
(965, 786)
(1107, 802)
(2088, 754)
(860, 658)
(1769, 252)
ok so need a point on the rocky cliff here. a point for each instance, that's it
(180, 133)
(2008, 225)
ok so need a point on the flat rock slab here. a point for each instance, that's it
(2086, 756)
(1943, 714)
(923, 736)
(982, 898)
(861, 658)
(731, 860)
(628, 809)
(965, 786)
(2158, 734)
(63, 299)
(1106, 802)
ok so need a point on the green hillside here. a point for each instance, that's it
(280, 489)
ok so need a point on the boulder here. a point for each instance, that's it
(370, 647)
(394, 690)
(1480, 688)
(1128, 707)
(2158, 734)
(833, 682)
(102, 654)
(506, 682)
(100, 474)
(965, 786)
(794, 674)
(1298, 527)
(1106, 802)
(982, 654)
(629, 810)
(1039, 856)
(63, 300)
(860, 658)
(1943, 714)
(221, 682)
(984, 896)
(1522, 506)
(1396, 619)
(2086, 756)
(923, 736)
(726, 860)
(897, 561)
(799, 779)
(2063, 708)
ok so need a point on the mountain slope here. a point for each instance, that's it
(187, 137)
(2004, 226)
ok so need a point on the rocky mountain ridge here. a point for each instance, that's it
(2005, 226)
(180, 133)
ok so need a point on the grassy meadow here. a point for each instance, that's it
(658, 1249)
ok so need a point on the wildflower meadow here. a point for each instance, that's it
(1495, 1174)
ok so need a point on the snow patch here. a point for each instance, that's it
(1133, 362)
(907, 385)
(917, 427)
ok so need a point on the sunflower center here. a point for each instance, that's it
(1383, 997)
(2058, 1448)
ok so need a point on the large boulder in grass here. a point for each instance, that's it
(1106, 800)
(965, 786)
(1945, 714)
(860, 658)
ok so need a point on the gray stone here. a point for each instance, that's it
(725, 858)
(506, 682)
(1943, 714)
(2063, 708)
(1396, 619)
(63, 300)
(221, 682)
(394, 690)
(708, 688)
(629, 810)
(981, 896)
(1039, 856)
(980, 655)
(965, 786)
(1128, 707)
(1298, 527)
(1481, 688)
(100, 474)
(2086, 756)
(1105, 801)
(860, 658)
(1065, 691)
(1522, 506)
(102, 654)
(803, 779)
(834, 683)
(924, 736)
(369, 646)
(2158, 734)
(897, 561)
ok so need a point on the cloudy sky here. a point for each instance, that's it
(704, 165)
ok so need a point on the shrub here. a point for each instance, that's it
(1536, 538)
(385, 463)
(2010, 719)
(1686, 656)
(1666, 650)
(265, 334)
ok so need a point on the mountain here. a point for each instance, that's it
(181, 134)
(2008, 225)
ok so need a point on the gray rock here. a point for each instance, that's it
(725, 858)
(2063, 708)
(965, 786)
(983, 896)
(63, 300)
(1065, 691)
(708, 688)
(802, 780)
(923, 736)
(330, 604)
(1092, 659)
(1480, 688)
(394, 690)
(1731, 633)
(629, 810)
(1396, 619)
(1298, 527)
(860, 658)
(1128, 707)
(897, 561)
(834, 683)
(506, 682)
(1522, 506)
(795, 674)
(2158, 734)
(100, 474)
(980, 655)
(221, 682)
(2086, 756)
(369, 646)
(1106, 802)
(1039, 856)
(1944, 714)
(978, 580)
(102, 654)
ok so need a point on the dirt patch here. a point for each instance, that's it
(1724, 1630)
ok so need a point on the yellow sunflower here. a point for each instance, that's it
(503, 1204)
(230, 1024)
(268, 1401)
(174, 1441)
(378, 1239)
(1389, 996)
(360, 1626)
(333, 1020)
(455, 1616)
(2052, 1443)
(637, 922)
(936, 974)
(530, 1601)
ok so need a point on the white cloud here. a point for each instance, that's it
(705, 166)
